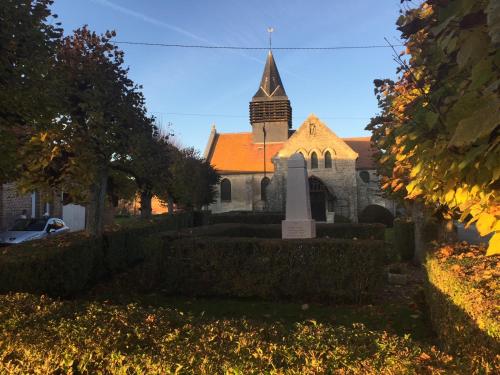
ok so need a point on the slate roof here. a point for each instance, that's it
(236, 153)
(270, 84)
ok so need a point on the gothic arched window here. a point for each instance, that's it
(328, 159)
(263, 188)
(225, 190)
(314, 161)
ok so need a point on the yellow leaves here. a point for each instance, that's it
(494, 245)
(485, 223)
(413, 190)
(449, 196)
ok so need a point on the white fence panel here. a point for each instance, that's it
(74, 217)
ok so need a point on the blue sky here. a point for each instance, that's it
(193, 88)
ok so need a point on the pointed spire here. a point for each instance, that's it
(270, 84)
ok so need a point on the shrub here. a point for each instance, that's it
(65, 265)
(376, 214)
(344, 231)
(248, 217)
(462, 295)
(404, 239)
(341, 219)
(316, 269)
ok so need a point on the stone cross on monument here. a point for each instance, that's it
(298, 222)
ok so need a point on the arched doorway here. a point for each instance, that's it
(318, 193)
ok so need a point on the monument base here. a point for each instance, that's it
(298, 229)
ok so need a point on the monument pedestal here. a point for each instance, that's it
(298, 223)
(298, 229)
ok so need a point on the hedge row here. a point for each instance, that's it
(323, 230)
(404, 238)
(462, 294)
(250, 217)
(65, 265)
(247, 217)
(327, 270)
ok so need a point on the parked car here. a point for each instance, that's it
(33, 229)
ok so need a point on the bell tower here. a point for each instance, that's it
(270, 110)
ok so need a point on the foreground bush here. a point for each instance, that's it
(40, 335)
(319, 269)
(463, 293)
(66, 265)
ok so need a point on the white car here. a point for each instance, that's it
(32, 229)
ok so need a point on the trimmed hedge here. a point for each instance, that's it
(462, 294)
(339, 231)
(316, 269)
(404, 239)
(248, 217)
(65, 265)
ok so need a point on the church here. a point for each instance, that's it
(253, 165)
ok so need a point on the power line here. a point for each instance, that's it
(242, 116)
(199, 46)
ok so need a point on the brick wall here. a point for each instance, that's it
(12, 204)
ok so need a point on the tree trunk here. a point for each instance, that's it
(95, 215)
(146, 197)
(170, 205)
(418, 218)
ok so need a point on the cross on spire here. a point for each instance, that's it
(270, 30)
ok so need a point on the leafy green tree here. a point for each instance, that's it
(147, 162)
(441, 138)
(98, 108)
(193, 180)
(28, 40)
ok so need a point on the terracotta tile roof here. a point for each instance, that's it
(365, 151)
(235, 152)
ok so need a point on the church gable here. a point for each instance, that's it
(314, 135)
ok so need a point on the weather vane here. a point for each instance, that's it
(270, 30)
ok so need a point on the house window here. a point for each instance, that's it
(263, 188)
(328, 159)
(365, 176)
(314, 161)
(225, 190)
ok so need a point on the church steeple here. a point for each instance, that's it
(270, 84)
(270, 110)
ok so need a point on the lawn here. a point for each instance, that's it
(127, 333)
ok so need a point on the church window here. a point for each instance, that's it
(365, 176)
(263, 188)
(328, 159)
(225, 190)
(314, 161)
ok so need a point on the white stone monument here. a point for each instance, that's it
(298, 223)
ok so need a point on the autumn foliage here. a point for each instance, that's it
(438, 130)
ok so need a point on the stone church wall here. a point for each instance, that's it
(245, 193)
(340, 179)
(370, 193)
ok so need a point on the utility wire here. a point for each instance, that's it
(199, 46)
(246, 116)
